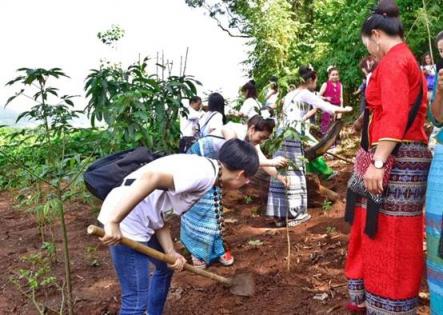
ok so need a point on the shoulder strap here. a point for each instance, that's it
(207, 121)
(213, 166)
(412, 115)
(295, 94)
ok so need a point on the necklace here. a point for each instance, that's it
(218, 206)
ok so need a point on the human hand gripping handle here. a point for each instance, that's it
(112, 234)
(345, 109)
(172, 258)
(180, 261)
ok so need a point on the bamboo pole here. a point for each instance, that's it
(186, 61)
(429, 31)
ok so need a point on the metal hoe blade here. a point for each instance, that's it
(243, 284)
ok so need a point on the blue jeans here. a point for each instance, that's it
(140, 291)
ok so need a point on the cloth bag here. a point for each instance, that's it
(365, 155)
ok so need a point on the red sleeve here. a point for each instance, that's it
(394, 88)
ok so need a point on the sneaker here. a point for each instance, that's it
(280, 223)
(227, 259)
(198, 263)
(299, 219)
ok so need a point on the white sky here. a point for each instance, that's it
(62, 33)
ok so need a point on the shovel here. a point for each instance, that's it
(241, 284)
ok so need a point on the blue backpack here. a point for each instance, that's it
(108, 172)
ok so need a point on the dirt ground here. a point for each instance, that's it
(315, 283)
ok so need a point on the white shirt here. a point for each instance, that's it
(250, 107)
(193, 176)
(271, 99)
(239, 129)
(210, 122)
(188, 126)
(430, 69)
(297, 104)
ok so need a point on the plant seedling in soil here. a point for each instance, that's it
(330, 230)
(248, 199)
(327, 205)
(36, 278)
(92, 256)
(255, 243)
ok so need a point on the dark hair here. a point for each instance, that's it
(385, 17)
(273, 79)
(274, 85)
(332, 68)
(216, 103)
(307, 73)
(195, 99)
(368, 63)
(238, 155)
(261, 124)
(250, 89)
(439, 37)
(423, 58)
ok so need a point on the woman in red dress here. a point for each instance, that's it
(385, 252)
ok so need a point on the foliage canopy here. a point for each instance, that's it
(283, 34)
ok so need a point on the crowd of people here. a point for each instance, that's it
(394, 174)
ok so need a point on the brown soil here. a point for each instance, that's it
(318, 252)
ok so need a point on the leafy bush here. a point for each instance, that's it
(139, 108)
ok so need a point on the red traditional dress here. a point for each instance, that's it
(385, 270)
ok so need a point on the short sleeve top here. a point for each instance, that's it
(193, 176)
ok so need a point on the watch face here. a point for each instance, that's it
(378, 164)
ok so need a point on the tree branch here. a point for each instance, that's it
(223, 28)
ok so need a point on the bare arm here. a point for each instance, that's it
(142, 188)
(264, 161)
(165, 239)
(341, 96)
(268, 166)
(322, 89)
(228, 133)
(309, 114)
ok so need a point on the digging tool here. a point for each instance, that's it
(241, 284)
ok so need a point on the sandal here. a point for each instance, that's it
(226, 259)
(198, 263)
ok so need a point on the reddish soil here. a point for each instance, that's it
(318, 251)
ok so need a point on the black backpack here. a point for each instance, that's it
(187, 142)
(108, 172)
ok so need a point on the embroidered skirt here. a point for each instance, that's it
(293, 200)
(386, 271)
(199, 229)
(434, 221)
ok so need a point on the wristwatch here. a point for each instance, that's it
(378, 164)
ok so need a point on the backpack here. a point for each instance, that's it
(187, 142)
(108, 172)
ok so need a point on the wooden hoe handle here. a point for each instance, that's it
(95, 230)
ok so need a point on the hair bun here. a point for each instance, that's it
(387, 8)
